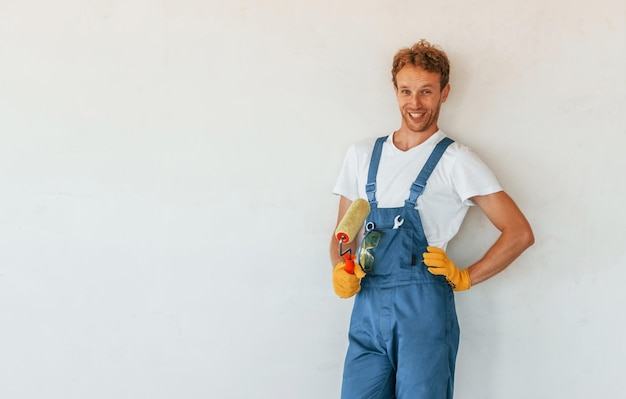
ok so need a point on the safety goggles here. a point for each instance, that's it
(369, 242)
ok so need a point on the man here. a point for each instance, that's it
(404, 333)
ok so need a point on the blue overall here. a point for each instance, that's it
(404, 332)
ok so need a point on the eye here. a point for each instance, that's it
(426, 92)
(406, 92)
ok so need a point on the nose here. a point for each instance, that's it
(415, 101)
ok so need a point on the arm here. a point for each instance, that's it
(344, 204)
(516, 235)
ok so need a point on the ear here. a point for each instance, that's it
(445, 92)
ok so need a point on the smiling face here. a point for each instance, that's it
(420, 96)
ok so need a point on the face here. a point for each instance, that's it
(420, 98)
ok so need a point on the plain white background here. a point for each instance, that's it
(166, 169)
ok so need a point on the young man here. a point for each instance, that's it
(404, 333)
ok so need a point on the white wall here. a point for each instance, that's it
(165, 201)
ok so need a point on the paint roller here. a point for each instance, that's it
(348, 228)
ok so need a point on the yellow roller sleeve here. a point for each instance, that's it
(347, 284)
(352, 220)
(439, 264)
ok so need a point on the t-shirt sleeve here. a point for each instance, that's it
(472, 177)
(347, 183)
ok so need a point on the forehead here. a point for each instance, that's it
(412, 75)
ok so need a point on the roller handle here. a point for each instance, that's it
(349, 267)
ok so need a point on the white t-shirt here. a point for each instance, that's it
(459, 176)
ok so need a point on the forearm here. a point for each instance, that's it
(504, 251)
(515, 236)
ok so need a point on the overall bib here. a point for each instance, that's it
(404, 332)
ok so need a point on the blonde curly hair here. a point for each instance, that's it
(424, 55)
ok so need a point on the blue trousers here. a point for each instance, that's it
(403, 343)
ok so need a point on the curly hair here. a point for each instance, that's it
(424, 55)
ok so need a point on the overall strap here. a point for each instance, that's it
(370, 187)
(417, 188)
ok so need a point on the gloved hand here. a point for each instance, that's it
(344, 283)
(439, 264)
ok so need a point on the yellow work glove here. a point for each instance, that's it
(439, 264)
(344, 283)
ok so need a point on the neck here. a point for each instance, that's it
(405, 139)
